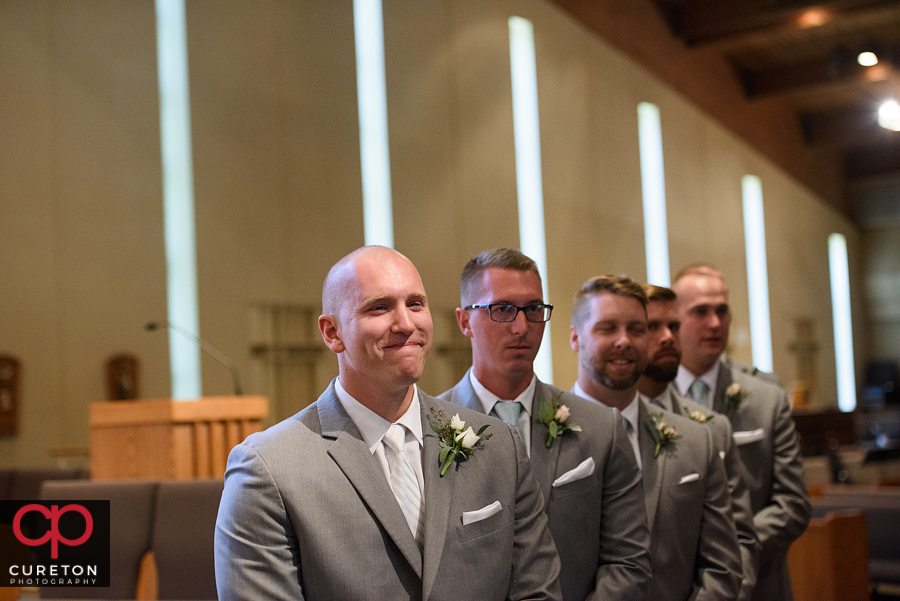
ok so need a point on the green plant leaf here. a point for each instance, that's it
(554, 429)
(482, 429)
(444, 452)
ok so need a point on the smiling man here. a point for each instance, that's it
(347, 499)
(693, 544)
(760, 415)
(590, 482)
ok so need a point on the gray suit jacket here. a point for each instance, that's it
(737, 485)
(598, 522)
(308, 514)
(693, 543)
(765, 435)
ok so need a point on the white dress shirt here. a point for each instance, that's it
(685, 378)
(373, 427)
(629, 413)
(489, 399)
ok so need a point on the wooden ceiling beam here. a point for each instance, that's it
(849, 129)
(732, 24)
(840, 68)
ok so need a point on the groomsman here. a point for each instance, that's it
(354, 498)
(693, 544)
(664, 356)
(579, 451)
(760, 415)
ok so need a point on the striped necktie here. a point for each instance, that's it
(403, 479)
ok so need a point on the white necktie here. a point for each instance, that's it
(509, 412)
(698, 392)
(403, 479)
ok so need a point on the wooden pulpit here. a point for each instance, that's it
(169, 439)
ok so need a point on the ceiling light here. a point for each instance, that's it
(867, 58)
(889, 115)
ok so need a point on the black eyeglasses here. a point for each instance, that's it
(506, 312)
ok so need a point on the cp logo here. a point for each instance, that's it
(53, 514)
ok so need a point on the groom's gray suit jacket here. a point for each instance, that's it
(599, 522)
(308, 514)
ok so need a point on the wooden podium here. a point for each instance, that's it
(170, 439)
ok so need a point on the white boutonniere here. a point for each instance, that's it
(698, 416)
(663, 434)
(734, 394)
(458, 443)
(556, 418)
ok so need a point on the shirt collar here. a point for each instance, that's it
(371, 425)
(685, 378)
(630, 412)
(489, 399)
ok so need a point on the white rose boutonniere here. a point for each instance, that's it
(662, 432)
(734, 394)
(556, 418)
(458, 443)
(698, 416)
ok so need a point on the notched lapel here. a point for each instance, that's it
(653, 467)
(722, 383)
(351, 454)
(543, 460)
(438, 492)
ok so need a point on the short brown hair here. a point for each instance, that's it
(698, 268)
(619, 285)
(502, 258)
(658, 293)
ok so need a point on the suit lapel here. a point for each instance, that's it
(723, 381)
(351, 454)
(438, 492)
(674, 400)
(463, 394)
(653, 467)
(543, 460)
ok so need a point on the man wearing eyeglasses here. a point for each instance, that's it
(587, 472)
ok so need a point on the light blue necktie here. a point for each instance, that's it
(509, 412)
(698, 392)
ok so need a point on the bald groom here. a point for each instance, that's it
(345, 500)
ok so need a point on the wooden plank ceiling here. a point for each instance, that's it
(800, 53)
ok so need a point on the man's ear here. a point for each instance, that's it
(462, 318)
(573, 338)
(331, 333)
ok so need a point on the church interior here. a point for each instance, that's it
(772, 90)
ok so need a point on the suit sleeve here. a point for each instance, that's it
(718, 563)
(535, 569)
(742, 510)
(256, 553)
(624, 571)
(787, 514)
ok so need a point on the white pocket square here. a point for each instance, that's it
(584, 469)
(470, 517)
(749, 436)
(689, 478)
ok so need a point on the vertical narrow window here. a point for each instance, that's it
(757, 273)
(371, 97)
(653, 188)
(529, 184)
(843, 330)
(178, 196)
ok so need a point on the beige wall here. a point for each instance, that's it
(278, 191)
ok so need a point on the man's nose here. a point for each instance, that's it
(519, 324)
(403, 320)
